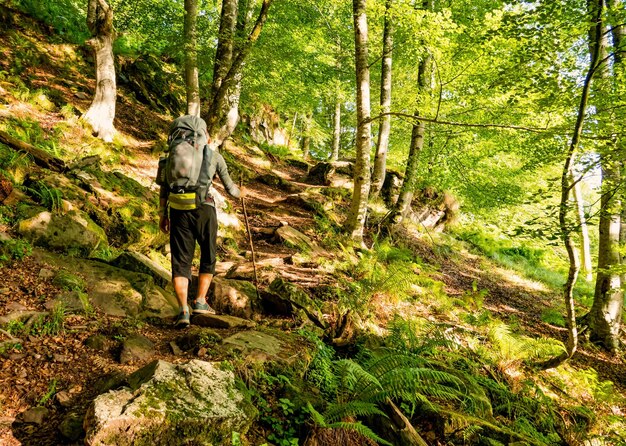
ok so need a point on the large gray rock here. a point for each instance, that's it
(139, 263)
(234, 297)
(166, 404)
(294, 238)
(282, 293)
(73, 231)
(136, 348)
(117, 291)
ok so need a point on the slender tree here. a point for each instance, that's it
(306, 136)
(101, 113)
(192, 86)
(595, 11)
(585, 245)
(336, 131)
(228, 65)
(380, 160)
(418, 132)
(355, 222)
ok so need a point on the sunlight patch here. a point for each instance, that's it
(520, 281)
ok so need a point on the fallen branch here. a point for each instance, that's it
(41, 158)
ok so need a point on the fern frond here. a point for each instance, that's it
(338, 411)
(361, 429)
(354, 378)
(317, 417)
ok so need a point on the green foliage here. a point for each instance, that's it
(69, 281)
(14, 249)
(517, 347)
(280, 152)
(553, 317)
(52, 390)
(48, 197)
(67, 17)
(49, 324)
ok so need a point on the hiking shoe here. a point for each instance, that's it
(182, 320)
(202, 308)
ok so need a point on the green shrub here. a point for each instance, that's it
(68, 281)
(15, 249)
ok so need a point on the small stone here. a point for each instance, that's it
(175, 349)
(202, 351)
(45, 274)
(14, 306)
(97, 342)
(5, 290)
(34, 415)
(63, 398)
(136, 348)
(60, 358)
(72, 426)
(16, 356)
(76, 389)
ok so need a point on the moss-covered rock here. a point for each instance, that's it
(73, 232)
(192, 403)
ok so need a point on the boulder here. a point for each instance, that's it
(220, 321)
(321, 174)
(117, 291)
(296, 239)
(139, 263)
(285, 293)
(192, 403)
(234, 297)
(136, 348)
(70, 232)
(251, 340)
(35, 415)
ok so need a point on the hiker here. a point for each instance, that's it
(192, 216)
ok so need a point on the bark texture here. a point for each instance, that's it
(101, 113)
(380, 160)
(192, 86)
(336, 131)
(355, 222)
(585, 245)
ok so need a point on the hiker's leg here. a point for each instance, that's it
(182, 244)
(204, 282)
(207, 239)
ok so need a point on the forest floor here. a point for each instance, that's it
(45, 366)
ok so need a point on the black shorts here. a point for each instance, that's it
(187, 227)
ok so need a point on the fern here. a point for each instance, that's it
(361, 429)
(336, 412)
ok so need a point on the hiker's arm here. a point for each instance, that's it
(228, 183)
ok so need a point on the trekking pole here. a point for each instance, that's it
(245, 218)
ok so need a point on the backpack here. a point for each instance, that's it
(182, 167)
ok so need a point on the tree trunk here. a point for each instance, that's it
(306, 137)
(101, 113)
(355, 222)
(191, 58)
(595, 12)
(585, 248)
(605, 315)
(40, 157)
(403, 204)
(608, 299)
(380, 160)
(227, 69)
(336, 131)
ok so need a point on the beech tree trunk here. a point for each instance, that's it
(306, 136)
(605, 315)
(403, 204)
(336, 131)
(355, 222)
(229, 61)
(585, 246)
(191, 58)
(380, 160)
(101, 113)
